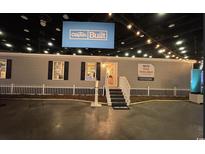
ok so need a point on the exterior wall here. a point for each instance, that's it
(32, 69)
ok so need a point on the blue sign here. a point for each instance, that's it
(88, 35)
(195, 86)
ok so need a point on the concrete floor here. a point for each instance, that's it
(63, 119)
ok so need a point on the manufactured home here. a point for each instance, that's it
(22, 73)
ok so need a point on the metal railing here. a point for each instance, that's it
(74, 90)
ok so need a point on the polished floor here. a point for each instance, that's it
(63, 119)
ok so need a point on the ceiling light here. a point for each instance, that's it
(43, 23)
(58, 53)
(131, 48)
(149, 41)
(58, 29)
(142, 35)
(180, 59)
(29, 48)
(65, 16)
(118, 51)
(157, 46)
(24, 17)
(45, 51)
(183, 51)
(122, 42)
(145, 55)
(171, 25)
(138, 33)
(79, 51)
(169, 53)
(133, 56)
(129, 26)
(50, 44)
(181, 48)
(74, 54)
(173, 56)
(186, 57)
(110, 14)
(99, 51)
(177, 57)
(1, 33)
(175, 36)
(28, 44)
(8, 45)
(139, 51)
(126, 54)
(161, 50)
(26, 30)
(167, 56)
(161, 14)
(150, 56)
(116, 56)
(179, 42)
(28, 39)
(53, 39)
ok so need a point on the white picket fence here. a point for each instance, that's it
(74, 90)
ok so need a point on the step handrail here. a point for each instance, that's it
(125, 87)
(107, 91)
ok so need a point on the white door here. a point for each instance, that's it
(111, 74)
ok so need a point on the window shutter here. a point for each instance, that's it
(8, 68)
(98, 71)
(66, 70)
(82, 75)
(50, 70)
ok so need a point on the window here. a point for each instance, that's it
(90, 72)
(58, 70)
(2, 69)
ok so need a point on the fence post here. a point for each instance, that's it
(73, 89)
(12, 88)
(43, 90)
(175, 91)
(148, 92)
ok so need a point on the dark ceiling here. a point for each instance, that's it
(166, 29)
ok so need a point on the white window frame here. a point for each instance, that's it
(86, 69)
(5, 68)
(54, 68)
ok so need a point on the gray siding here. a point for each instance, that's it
(32, 69)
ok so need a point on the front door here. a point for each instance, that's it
(111, 74)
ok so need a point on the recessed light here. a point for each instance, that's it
(126, 54)
(171, 25)
(43, 23)
(1, 33)
(74, 54)
(118, 51)
(133, 56)
(129, 26)
(50, 44)
(186, 57)
(131, 48)
(45, 51)
(173, 56)
(161, 50)
(181, 48)
(177, 57)
(145, 55)
(29, 48)
(53, 39)
(28, 39)
(175, 36)
(26, 30)
(179, 42)
(24, 17)
(116, 56)
(99, 51)
(183, 51)
(8, 45)
(167, 56)
(58, 29)
(157, 46)
(110, 14)
(28, 44)
(150, 56)
(161, 14)
(149, 41)
(142, 35)
(122, 42)
(169, 53)
(138, 33)
(139, 51)
(57, 53)
(79, 51)
(65, 16)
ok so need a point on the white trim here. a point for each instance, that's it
(86, 68)
(53, 70)
(96, 57)
(5, 67)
